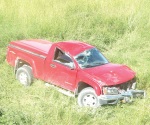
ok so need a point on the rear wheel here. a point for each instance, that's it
(24, 75)
(88, 97)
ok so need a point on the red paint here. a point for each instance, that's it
(39, 54)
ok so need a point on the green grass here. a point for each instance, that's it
(120, 29)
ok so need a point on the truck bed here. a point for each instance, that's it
(37, 46)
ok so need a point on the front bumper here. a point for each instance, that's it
(125, 97)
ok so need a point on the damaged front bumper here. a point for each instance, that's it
(125, 97)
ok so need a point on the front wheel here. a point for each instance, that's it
(24, 75)
(88, 97)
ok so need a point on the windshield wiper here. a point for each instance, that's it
(99, 63)
(88, 66)
(94, 64)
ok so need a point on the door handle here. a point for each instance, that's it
(53, 66)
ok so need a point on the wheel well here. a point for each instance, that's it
(20, 63)
(81, 86)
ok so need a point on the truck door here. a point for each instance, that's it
(61, 70)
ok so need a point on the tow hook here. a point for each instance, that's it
(127, 100)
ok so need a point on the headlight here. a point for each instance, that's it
(110, 91)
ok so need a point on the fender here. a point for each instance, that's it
(28, 60)
(95, 86)
(86, 78)
(83, 77)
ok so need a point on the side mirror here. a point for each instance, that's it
(70, 65)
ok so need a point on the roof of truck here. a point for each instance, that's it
(73, 47)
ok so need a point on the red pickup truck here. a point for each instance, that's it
(73, 67)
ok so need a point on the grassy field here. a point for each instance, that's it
(120, 29)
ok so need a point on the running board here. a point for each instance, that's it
(63, 91)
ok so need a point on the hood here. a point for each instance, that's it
(111, 74)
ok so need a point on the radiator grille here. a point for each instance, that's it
(126, 85)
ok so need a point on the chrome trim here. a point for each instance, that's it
(125, 97)
(12, 52)
(27, 51)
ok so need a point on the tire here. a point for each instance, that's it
(24, 75)
(88, 97)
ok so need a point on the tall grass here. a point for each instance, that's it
(120, 29)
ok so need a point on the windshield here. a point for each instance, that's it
(90, 58)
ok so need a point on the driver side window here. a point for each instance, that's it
(61, 57)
